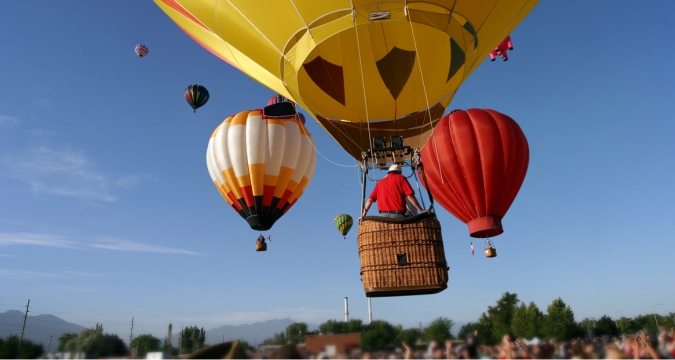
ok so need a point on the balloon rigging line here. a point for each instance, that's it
(419, 65)
(433, 82)
(319, 152)
(303, 20)
(215, 12)
(363, 81)
(331, 122)
(258, 30)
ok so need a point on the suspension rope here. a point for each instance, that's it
(311, 141)
(215, 15)
(426, 98)
(258, 30)
(301, 18)
(363, 81)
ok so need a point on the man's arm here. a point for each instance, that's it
(413, 200)
(365, 209)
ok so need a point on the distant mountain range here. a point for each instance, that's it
(38, 328)
(254, 333)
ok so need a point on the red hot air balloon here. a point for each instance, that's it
(483, 157)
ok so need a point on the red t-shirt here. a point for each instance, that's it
(390, 193)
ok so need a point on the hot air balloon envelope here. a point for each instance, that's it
(475, 163)
(261, 165)
(350, 63)
(196, 96)
(141, 50)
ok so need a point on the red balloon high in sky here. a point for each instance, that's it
(483, 157)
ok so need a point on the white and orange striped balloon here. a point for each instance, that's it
(260, 165)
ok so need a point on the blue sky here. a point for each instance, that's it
(107, 210)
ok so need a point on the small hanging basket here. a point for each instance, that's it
(260, 245)
(489, 250)
(403, 256)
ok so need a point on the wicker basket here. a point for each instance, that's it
(402, 256)
(260, 245)
(489, 250)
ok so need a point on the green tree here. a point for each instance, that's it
(167, 346)
(296, 333)
(110, 345)
(559, 323)
(192, 338)
(378, 335)
(527, 321)
(63, 339)
(276, 339)
(86, 341)
(410, 336)
(9, 349)
(628, 326)
(247, 346)
(341, 327)
(646, 323)
(145, 343)
(501, 315)
(439, 330)
(95, 344)
(605, 326)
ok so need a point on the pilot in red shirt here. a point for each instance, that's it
(391, 193)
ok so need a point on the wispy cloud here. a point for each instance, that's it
(66, 173)
(36, 240)
(8, 120)
(101, 243)
(75, 288)
(7, 255)
(126, 245)
(29, 275)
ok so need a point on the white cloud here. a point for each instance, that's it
(8, 120)
(28, 275)
(36, 240)
(65, 173)
(75, 288)
(102, 243)
(126, 245)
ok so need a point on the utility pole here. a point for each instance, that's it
(23, 329)
(657, 322)
(131, 336)
(180, 340)
(50, 343)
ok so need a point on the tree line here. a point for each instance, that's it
(507, 316)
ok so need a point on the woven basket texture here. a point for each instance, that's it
(381, 246)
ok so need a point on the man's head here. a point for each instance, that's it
(395, 168)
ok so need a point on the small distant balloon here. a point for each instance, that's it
(141, 50)
(196, 95)
(343, 223)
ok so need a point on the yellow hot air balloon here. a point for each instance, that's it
(261, 165)
(362, 68)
